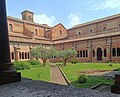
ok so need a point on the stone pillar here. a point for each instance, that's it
(7, 74)
(116, 87)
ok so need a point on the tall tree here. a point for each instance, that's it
(66, 54)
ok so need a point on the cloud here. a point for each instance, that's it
(107, 4)
(44, 19)
(74, 19)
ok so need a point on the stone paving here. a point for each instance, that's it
(30, 88)
(56, 76)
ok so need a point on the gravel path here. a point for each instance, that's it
(56, 76)
(30, 88)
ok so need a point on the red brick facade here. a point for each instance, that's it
(95, 41)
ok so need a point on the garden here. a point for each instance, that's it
(79, 74)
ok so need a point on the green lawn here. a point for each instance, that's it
(37, 73)
(71, 71)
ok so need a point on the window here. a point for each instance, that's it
(10, 27)
(113, 52)
(35, 31)
(25, 55)
(86, 53)
(22, 55)
(60, 32)
(79, 33)
(19, 55)
(80, 53)
(105, 53)
(119, 25)
(83, 53)
(93, 53)
(12, 55)
(104, 28)
(90, 31)
(30, 17)
(118, 51)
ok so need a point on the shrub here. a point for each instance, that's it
(74, 60)
(118, 69)
(110, 65)
(34, 62)
(21, 65)
(82, 78)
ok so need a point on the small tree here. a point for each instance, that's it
(66, 54)
(42, 53)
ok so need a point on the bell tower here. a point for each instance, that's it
(27, 15)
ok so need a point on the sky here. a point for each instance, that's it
(67, 12)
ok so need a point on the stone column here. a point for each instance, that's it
(7, 74)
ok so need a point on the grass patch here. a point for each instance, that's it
(91, 81)
(71, 71)
(37, 72)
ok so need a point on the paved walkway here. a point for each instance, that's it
(56, 76)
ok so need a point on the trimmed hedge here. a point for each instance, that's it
(34, 62)
(21, 65)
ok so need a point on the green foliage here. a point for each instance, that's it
(82, 78)
(66, 54)
(74, 60)
(21, 65)
(34, 62)
(110, 65)
(42, 53)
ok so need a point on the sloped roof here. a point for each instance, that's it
(28, 40)
(20, 20)
(88, 37)
(95, 21)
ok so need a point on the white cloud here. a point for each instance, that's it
(107, 4)
(44, 19)
(74, 19)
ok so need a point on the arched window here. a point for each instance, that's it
(79, 33)
(30, 17)
(80, 53)
(83, 53)
(10, 27)
(23, 55)
(36, 32)
(12, 55)
(60, 32)
(118, 51)
(105, 53)
(86, 53)
(118, 25)
(93, 53)
(20, 55)
(113, 52)
(90, 31)
(104, 28)
(28, 55)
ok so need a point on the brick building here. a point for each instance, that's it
(95, 41)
